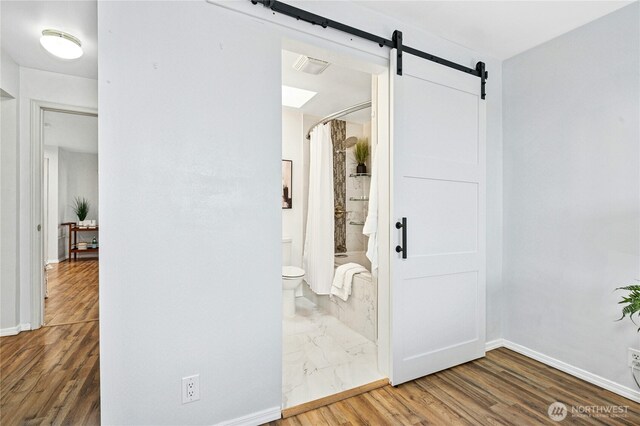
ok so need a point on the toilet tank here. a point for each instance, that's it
(286, 251)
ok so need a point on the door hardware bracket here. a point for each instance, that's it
(397, 44)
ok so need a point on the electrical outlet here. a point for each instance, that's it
(633, 358)
(190, 388)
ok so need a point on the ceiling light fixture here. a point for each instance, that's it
(61, 44)
(310, 65)
(294, 97)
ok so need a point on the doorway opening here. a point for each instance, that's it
(335, 291)
(64, 141)
(70, 216)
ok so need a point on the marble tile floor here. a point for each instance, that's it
(322, 356)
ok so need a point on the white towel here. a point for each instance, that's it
(370, 228)
(343, 279)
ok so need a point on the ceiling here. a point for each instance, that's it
(501, 29)
(337, 87)
(22, 24)
(497, 28)
(73, 132)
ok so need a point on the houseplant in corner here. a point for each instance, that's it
(632, 299)
(361, 153)
(81, 209)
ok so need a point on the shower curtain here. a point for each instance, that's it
(318, 260)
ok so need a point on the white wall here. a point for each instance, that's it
(496, 291)
(9, 186)
(292, 149)
(53, 221)
(212, 307)
(80, 173)
(571, 194)
(50, 87)
(71, 174)
(194, 286)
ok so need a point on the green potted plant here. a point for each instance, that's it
(81, 208)
(361, 153)
(632, 299)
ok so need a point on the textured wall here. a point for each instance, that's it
(338, 136)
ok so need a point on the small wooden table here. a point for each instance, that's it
(73, 240)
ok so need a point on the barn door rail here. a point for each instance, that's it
(394, 43)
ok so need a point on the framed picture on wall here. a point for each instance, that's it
(287, 170)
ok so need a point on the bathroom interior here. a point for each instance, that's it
(330, 297)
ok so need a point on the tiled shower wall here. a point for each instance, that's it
(357, 187)
(338, 136)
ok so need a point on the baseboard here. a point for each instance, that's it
(585, 375)
(494, 344)
(12, 331)
(253, 419)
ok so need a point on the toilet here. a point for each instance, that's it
(291, 279)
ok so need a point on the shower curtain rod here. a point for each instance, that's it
(339, 114)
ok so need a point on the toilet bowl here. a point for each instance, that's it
(291, 279)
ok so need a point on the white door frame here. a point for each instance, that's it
(45, 211)
(382, 101)
(36, 220)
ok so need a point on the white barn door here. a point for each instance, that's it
(438, 186)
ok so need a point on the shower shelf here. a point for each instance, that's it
(360, 175)
(356, 223)
(358, 198)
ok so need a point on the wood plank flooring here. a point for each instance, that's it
(51, 376)
(73, 292)
(504, 388)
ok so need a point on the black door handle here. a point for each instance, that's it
(403, 248)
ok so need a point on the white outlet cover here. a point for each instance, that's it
(190, 388)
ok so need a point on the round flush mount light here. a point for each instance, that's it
(61, 44)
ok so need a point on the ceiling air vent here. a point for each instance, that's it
(310, 65)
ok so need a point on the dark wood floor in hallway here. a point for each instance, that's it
(51, 376)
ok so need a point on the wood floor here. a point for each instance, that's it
(73, 293)
(51, 376)
(504, 388)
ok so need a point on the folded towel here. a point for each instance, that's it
(343, 279)
(338, 278)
